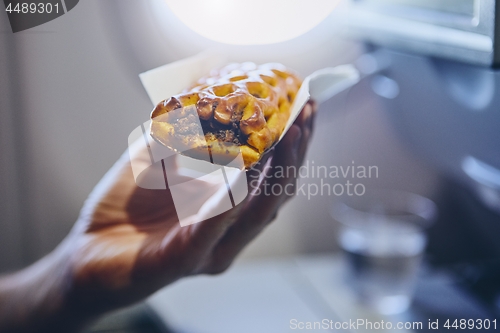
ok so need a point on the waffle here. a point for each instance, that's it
(239, 108)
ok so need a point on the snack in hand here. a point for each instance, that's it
(239, 108)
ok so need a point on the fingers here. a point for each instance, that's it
(261, 208)
(263, 204)
(282, 154)
(288, 179)
(276, 179)
(306, 123)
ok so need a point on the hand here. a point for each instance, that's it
(127, 242)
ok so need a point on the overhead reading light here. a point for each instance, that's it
(251, 22)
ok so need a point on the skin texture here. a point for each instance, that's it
(127, 243)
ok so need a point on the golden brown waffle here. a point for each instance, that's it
(241, 107)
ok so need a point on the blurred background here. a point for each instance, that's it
(70, 95)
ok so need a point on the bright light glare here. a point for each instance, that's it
(250, 22)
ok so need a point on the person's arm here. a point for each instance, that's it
(36, 299)
(127, 243)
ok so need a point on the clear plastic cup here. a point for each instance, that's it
(383, 237)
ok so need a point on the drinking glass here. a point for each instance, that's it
(383, 237)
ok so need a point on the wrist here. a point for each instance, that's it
(39, 298)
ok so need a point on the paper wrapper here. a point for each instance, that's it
(168, 80)
(200, 189)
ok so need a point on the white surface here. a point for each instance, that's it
(249, 298)
(263, 296)
(327, 276)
